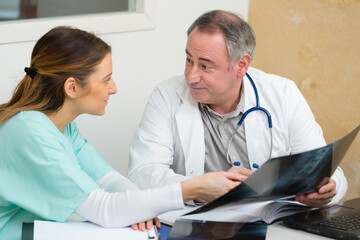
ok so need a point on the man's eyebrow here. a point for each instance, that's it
(187, 52)
(206, 60)
(107, 75)
(201, 59)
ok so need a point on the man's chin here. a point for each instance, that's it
(198, 98)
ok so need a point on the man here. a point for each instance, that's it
(189, 120)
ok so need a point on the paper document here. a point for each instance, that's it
(243, 211)
(170, 216)
(250, 211)
(45, 230)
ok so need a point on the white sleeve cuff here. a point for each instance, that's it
(122, 209)
(341, 185)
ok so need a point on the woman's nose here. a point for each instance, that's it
(113, 88)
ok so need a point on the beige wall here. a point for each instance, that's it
(316, 44)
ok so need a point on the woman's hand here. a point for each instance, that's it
(146, 225)
(244, 173)
(209, 186)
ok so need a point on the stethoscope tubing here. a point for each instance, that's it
(256, 108)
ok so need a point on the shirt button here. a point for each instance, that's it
(192, 171)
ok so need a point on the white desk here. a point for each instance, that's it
(278, 231)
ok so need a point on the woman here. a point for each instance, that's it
(48, 171)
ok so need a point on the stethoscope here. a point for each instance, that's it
(256, 108)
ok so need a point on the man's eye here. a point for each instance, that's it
(206, 67)
(189, 61)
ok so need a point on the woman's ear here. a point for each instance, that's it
(71, 87)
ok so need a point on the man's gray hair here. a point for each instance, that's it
(239, 36)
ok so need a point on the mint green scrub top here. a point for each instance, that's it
(44, 174)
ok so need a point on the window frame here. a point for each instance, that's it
(103, 23)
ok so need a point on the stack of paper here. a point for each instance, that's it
(45, 230)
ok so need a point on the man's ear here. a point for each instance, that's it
(71, 87)
(243, 65)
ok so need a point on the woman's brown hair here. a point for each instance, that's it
(61, 53)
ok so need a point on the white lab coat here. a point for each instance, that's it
(168, 146)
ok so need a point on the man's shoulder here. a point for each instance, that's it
(174, 88)
(173, 91)
(264, 79)
(172, 83)
(262, 75)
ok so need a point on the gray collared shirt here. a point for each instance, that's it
(218, 130)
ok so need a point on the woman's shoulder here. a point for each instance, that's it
(27, 124)
(30, 119)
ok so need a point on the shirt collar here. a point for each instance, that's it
(239, 108)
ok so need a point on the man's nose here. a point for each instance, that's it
(193, 75)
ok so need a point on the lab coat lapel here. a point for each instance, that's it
(191, 132)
